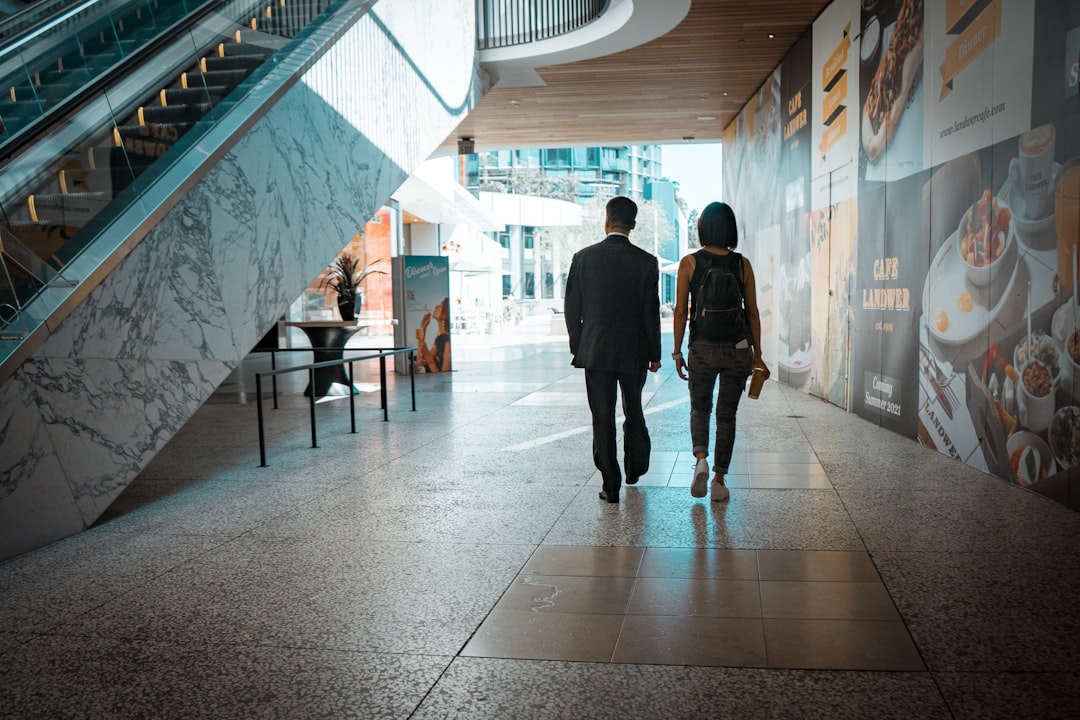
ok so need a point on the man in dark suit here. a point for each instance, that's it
(612, 312)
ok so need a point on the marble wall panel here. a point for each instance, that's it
(36, 504)
(106, 419)
(38, 511)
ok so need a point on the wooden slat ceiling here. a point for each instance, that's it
(710, 65)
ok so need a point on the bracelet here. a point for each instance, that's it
(676, 355)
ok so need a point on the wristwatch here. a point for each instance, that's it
(676, 355)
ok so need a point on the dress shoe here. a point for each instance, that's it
(609, 497)
(632, 480)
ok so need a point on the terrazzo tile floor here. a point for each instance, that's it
(455, 562)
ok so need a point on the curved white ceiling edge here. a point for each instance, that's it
(625, 24)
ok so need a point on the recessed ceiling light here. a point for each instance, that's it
(771, 35)
(706, 117)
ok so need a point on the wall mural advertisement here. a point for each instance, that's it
(890, 269)
(837, 52)
(837, 49)
(978, 74)
(891, 89)
(794, 356)
(951, 307)
(753, 169)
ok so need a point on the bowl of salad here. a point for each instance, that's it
(985, 240)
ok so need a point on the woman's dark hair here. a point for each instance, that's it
(716, 226)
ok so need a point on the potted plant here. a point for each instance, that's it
(344, 277)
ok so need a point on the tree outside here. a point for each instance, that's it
(653, 228)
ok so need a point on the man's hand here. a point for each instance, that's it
(654, 366)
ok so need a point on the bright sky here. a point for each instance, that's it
(697, 169)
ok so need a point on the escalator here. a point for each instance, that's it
(94, 97)
(173, 175)
(163, 180)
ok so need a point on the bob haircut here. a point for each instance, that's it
(716, 226)
(621, 211)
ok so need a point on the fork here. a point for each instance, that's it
(941, 380)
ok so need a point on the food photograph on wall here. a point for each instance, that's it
(944, 154)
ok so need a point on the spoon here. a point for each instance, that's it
(1076, 285)
(1030, 348)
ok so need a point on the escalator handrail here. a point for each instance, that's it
(11, 33)
(87, 11)
(110, 76)
(125, 228)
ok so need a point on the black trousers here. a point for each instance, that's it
(601, 387)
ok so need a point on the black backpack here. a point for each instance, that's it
(719, 309)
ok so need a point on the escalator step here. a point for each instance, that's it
(168, 132)
(184, 96)
(149, 141)
(42, 238)
(178, 113)
(215, 78)
(77, 178)
(243, 63)
(71, 210)
(232, 49)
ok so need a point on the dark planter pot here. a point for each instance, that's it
(347, 308)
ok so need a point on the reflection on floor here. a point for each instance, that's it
(456, 562)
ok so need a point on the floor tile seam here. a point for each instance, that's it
(212, 642)
(626, 612)
(903, 618)
(487, 615)
(762, 616)
(918, 650)
(1011, 673)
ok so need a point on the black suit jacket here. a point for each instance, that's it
(612, 306)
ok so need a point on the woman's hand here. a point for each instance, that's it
(680, 367)
(760, 364)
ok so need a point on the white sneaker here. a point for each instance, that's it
(718, 491)
(701, 478)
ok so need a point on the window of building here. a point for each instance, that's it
(528, 157)
(507, 287)
(529, 291)
(528, 237)
(557, 157)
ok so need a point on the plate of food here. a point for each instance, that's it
(984, 237)
(1065, 321)
(899, 69)
(799, 361)
(1065, 436)
(1030, 459)
(956, 309)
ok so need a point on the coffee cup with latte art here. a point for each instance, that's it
(1032, 173)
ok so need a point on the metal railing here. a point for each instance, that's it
(380, 353)
(503, 23)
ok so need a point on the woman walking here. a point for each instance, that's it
(717, 293)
